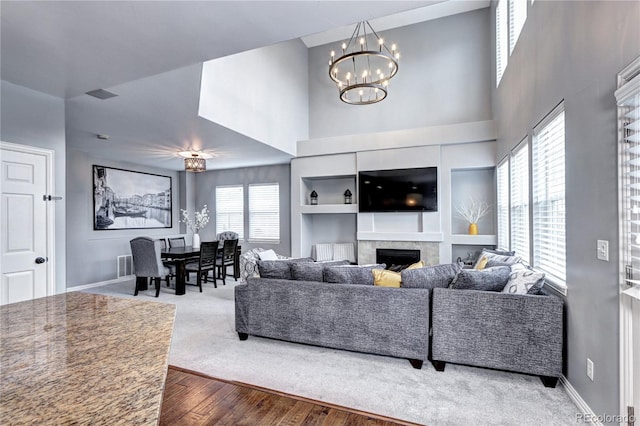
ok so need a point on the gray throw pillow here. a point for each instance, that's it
(491, 279)
(524, 280)
(496, 259)
(351, 274)
(430, 276)
(312, 271)
(278, 268)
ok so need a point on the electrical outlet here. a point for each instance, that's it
(590, 369)
(603, 250)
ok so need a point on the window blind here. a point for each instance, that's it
(628, 97)
(264, 212)
(503, 203)
(548, 185)
(230, 209)
(502, 39)
(517, 18)
(519, 208)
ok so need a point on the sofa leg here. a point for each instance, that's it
(416, 363)
(549, 382)
(439, 365)
(243, 336)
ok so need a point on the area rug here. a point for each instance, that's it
(205, 340)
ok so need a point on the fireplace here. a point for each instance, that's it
(397, 259)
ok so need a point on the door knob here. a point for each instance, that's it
(40, 260)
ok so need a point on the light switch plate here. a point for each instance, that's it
(603, 250)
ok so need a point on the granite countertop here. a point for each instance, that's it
(80, 358)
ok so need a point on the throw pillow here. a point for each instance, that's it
(490, 279)
(323, 252)
(268, 255)
(351, 274)
(481, 263)
(311, 271)
(524, 281)
(344, 251)
(429, 277)
(494, 257)
(386, 278)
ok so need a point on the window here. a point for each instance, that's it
(548, 189)
(517, 18)
(520, 201)
(230, 209)
(264, 212)
(503, 204)
(502, 40)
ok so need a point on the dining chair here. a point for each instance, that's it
(227, 235)
(168, 263)
(147, 263)
(177, 242)
(227, 258)
(206, 262)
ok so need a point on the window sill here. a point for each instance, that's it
(559, 287)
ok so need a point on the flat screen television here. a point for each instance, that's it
(398, 190)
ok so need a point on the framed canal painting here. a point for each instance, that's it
(124, 199)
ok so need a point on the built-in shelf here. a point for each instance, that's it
(329, 208)
(480, 240)
(401, 236)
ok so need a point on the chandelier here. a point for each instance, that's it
(363, 71)
(194, 161)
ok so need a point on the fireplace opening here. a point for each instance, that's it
(397, 259)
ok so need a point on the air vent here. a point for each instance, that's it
(124, 266)
(101, 94)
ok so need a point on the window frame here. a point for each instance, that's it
(520, 168)
(506, 233)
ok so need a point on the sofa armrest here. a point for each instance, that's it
(516, 332)
(241, 293)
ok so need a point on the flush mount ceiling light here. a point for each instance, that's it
(363, 71)
(194, 161)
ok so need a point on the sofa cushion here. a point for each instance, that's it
(490, 279)
(351, 274)
(429, 276)
(280, 268)
(312, 271)
(524, 280)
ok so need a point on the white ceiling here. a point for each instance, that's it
(148, 52)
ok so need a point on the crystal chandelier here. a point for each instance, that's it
(363, 71)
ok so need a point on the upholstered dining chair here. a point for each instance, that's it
(169, 264)
(147, 263)
(177, 242)
(227, 258)
(206, 262)
(227, 235)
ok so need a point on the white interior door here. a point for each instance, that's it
(24, 272)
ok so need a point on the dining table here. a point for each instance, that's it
(181, 255)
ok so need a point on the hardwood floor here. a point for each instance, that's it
(195, 399)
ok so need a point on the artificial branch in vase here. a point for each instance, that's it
(201, 220)
(472, 212)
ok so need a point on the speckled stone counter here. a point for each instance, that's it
(79, 358)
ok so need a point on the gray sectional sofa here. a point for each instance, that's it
(422, 320)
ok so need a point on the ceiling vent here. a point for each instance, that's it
(101, 94)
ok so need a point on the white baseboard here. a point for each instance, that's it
(101, 283)
(588, 415)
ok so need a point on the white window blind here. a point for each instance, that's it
(628, 97)
(230, 209)
(548, 185)
(503, 204)
(264, 212)
(517, 18)
(502, 39)
(519, 208)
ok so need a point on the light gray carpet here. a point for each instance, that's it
(205, 340)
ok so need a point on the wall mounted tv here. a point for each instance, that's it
(398, 190)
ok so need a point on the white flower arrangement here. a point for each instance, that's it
(473, 211)
(201, 219)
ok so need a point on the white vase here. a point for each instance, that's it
(196, 241)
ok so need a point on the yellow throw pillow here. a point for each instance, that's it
(416, 265)
(482, 262)
(386, 278)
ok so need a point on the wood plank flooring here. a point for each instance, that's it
(192, 398)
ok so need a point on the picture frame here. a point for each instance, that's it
(127, 199)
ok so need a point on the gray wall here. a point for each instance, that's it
(32, 118)
(92, 254)
(206, 182)
(573, 51)
(443, 78)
